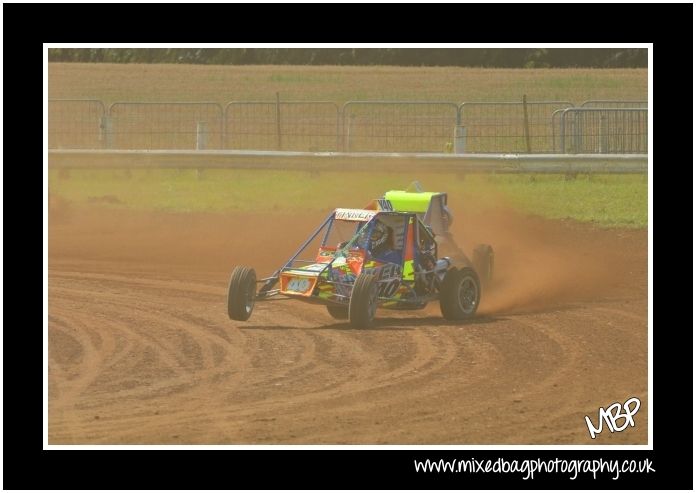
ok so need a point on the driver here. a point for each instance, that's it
(381, 244)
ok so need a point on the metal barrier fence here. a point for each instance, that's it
(398, 126)
(283, 125)
(176, 125)
(359, 126)
(604, 130)
(511, 126)
(614, 103)
(76, 124)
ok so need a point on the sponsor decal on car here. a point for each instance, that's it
(297, 284)
(354, 214)
(385, 205)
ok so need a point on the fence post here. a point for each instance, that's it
(578, 129)
(201, 136)
(562, 131)
(459, 139)
(338, 130)
(279, 143)
(106, 131)
(526, 124)
(350, 123)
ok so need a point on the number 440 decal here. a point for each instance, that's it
(388, 280)
(298, 284)
(387, 289)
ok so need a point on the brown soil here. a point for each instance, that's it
(141, 350)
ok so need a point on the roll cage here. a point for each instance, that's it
(413, 241)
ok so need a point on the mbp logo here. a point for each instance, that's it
(612, 414)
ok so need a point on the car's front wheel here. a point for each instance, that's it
(363, 301)
(241, 293)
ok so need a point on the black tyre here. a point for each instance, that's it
(339, 312)
(460, 294)
(483, 263)
(241, 293)
(363, 301)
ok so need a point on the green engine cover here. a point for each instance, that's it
(410, 201)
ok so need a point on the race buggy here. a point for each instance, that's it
(384, 255)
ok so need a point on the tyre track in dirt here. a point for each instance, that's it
(141, 351)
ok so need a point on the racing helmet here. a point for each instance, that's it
(379, 236)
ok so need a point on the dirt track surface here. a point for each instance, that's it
(141, 350)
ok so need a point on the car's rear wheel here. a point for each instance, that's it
(339, 312)
(460, 294)
(483, 263)
(241, 293)
(363, 301)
